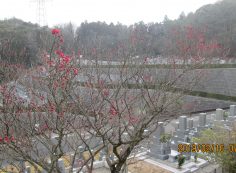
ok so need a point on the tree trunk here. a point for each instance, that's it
(118, 168)
(115, 169)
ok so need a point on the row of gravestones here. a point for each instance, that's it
(63, 163)
(185, 130)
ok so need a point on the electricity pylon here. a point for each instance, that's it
(41, 12)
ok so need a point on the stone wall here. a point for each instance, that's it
(213, 80)
(219, 81)
(200, 104)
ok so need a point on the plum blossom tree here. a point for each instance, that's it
(71, 108)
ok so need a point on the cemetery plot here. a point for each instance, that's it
(144, 167)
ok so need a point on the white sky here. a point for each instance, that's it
(77, 11)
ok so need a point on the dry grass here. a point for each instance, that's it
(145, 167)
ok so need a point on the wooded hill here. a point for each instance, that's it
(21, 41)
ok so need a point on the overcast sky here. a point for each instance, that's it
(77, 11)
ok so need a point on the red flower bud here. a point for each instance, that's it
(6, 139)
(66, 59)
(12, 139)
(55, 31)
(76, 71)
(113, 111)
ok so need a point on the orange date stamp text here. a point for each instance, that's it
(205, 148)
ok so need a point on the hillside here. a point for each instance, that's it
(215, 22)
(20, 41)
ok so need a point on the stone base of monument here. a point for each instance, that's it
(158, 156)
(160, 151)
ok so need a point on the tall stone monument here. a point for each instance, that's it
(158, 149)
